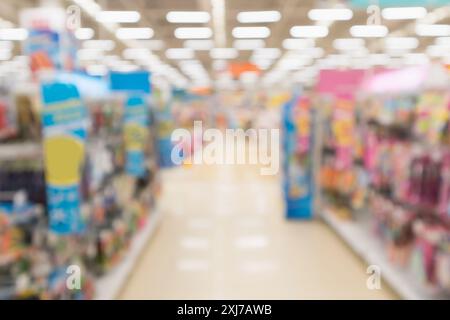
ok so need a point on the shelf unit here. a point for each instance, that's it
(108, 287)
(372, 252)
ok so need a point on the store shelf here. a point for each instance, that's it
(16, 151)
(370, 250)
(108, 286)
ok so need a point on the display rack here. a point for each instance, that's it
(108, 286)
(14, 151)
(371, 251)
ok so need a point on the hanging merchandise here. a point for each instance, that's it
(64, 120)
(298, 145)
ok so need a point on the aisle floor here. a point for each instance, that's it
(223, 236)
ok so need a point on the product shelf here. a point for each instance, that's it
(108, 286)
(372, 252)
(14, 151)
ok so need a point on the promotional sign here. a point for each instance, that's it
(136, 124)
(298, 169)
(50, 45)
(64, 121)
(138, 81)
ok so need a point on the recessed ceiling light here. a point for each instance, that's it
(84, 33)
(224, 53)
(199, 44)
(136, 53)
(404, 13)
(443, 41)
(13, 34)
(258, 16)
(309, 31)
(97, 70)
(248, 44)
(433, 30)
(267, 53)
(401, 43)
(193, 33)
(369, 31)
(188, 17)
(345, 44)
(152, 44)
(335, 14)
(106, 45)
(296, 44)
(6, 45)
(118, 16)
(251, 32)
(179, 53)
(134, 33)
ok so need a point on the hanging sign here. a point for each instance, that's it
(64, 121)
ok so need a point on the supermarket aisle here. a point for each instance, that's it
(223, 236)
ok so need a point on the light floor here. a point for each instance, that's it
(223, 236)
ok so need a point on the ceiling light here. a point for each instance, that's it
(251, 32)
(267, 53)
(89, 54)
(125, 67)
(84, 33)
(258, 16)
(309, 31)
(136, 53)
(6, 45)
(416, 59)
(134, 33)
(336, 14)
(379, 59)
(106, 45)
(442, 41)
(5, 54)
(345, 44)
(369, 31)
(295, 44)
(199, 44)
(248, 44)
(401, 43)
(97, 70)
(404, 13)
(224, 53)
(13, 34)
(179, 53)
(118, 16)
(437, 51)
(193, 33)
(152, 44)
(188, 17)
(433, 30)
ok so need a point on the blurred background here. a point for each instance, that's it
(136, 138)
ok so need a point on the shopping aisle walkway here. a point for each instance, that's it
(223, 236)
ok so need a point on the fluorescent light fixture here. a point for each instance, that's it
(199, 44)
(369, 31)
(6, 45)
(416, 59)
(335, 14)
(97, 70)
(193, 33)
(84, 33)
(118, 16)
(248, 44)
(224, 53)
(155, 45)
(179, 53)
(407, 43)
(267, 53)
(258, 16)
(251, 32)
(313, 52)
(438, 51)
(188, 17)
(134, 33)
(5, 54)
(433, 30)
(13, 34)
(309, 31)
(345, 44)
(106, 45)
(90, 54)
(379, 59)
(296, 44)
(404, 13)
(136, 53)
(442, 41)
(125, 67)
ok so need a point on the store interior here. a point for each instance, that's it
(224, 149)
